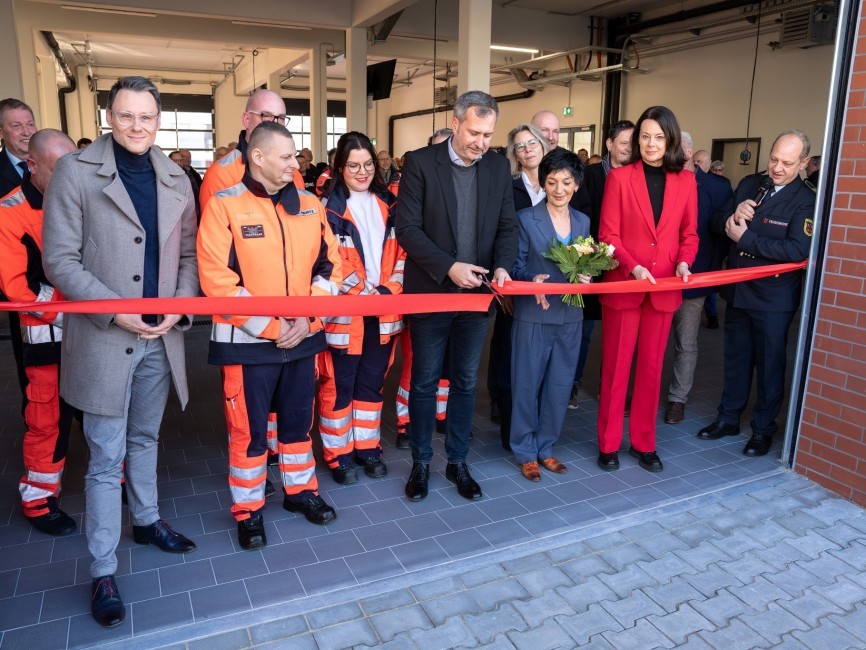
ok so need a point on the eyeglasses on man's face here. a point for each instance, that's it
(124, 119)
(270, 117)
(354, 167)
(527, 144)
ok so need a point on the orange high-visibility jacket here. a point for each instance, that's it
(21, 276)
(248, 246)
(228, 172)
(347, 332)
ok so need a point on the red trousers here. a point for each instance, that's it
(622, 330)
(402, 401)
(49, 420)
(350, 399)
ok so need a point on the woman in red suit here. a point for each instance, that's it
(649, 213)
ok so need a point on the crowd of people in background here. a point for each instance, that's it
(117, 217)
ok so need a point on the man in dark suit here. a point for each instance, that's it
(456, 222)
(774, 230)
(715, 199)
(16, 127)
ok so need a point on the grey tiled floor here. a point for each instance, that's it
(379, 536)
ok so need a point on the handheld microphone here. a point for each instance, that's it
(764, 189)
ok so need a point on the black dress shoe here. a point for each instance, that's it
(344, 474)
(608, 462)
(251, 533)
(458, 473)
(416, 486)
(718, 430)
(649, 460)
(270, 490)
(758, 445)
(160, 534)
(106, 606)
(373, 467)
(314, 509)
(54, 522)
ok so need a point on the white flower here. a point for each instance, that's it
(610, 249)
(584, 249)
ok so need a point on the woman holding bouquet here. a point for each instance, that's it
(545, 334)
(649, 214)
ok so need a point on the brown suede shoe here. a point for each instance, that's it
(675, 413)
(553, 465)
(530, 471)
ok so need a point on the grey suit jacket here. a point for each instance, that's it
(93, 248)
(536, 235)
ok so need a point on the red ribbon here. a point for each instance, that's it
(696, 281)
(300, 306)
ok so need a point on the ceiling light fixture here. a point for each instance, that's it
(105, 10)
(253, 23)
(508, 48)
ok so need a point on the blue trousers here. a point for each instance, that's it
(464, 334)
(542, 372)
(755, 342)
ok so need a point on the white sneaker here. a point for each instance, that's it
(572, 401)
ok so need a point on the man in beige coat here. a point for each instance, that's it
(120, 222)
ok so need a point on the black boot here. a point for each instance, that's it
(251, 533)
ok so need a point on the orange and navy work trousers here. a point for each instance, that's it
(402, 402)
(248, 392)
(49, 421)
(350, 398)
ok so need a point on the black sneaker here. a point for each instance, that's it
(270, 490)
(402, 441)
(314, 509)
(106, 606)
(55, 522)
(344, 474)
(273, 459)
(373, 467)
(251, 533)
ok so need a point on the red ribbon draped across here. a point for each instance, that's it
(294, 307)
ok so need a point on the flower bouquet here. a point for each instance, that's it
(582, 257)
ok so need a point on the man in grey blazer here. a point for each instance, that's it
(120, 222)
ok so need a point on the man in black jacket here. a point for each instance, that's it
(772, 229)
(456, 222)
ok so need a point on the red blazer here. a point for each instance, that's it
(627, 223)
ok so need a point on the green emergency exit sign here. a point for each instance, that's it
(566, 110)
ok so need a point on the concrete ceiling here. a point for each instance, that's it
(104, 49)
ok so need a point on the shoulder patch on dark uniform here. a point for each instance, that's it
(808, 227)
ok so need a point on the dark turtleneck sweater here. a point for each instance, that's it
(655, 184)
(139, 180)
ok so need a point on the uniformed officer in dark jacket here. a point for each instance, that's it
(774, 229)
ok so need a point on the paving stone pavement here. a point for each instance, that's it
(701, 573)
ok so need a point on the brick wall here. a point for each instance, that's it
(831, 449)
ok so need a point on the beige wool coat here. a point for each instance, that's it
(93, 248)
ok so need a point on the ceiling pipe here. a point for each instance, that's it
(67, 72)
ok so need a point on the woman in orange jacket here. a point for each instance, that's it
(360, 349)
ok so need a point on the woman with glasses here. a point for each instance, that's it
(360, 211)
(526, 148)
(649, 213)
(546, 332)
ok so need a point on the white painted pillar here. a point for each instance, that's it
(319, 102)
(356, 80)
(473, 52)
(11, 84)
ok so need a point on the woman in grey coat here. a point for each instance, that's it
(546, 333)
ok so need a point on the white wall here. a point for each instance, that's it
(707, 88)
